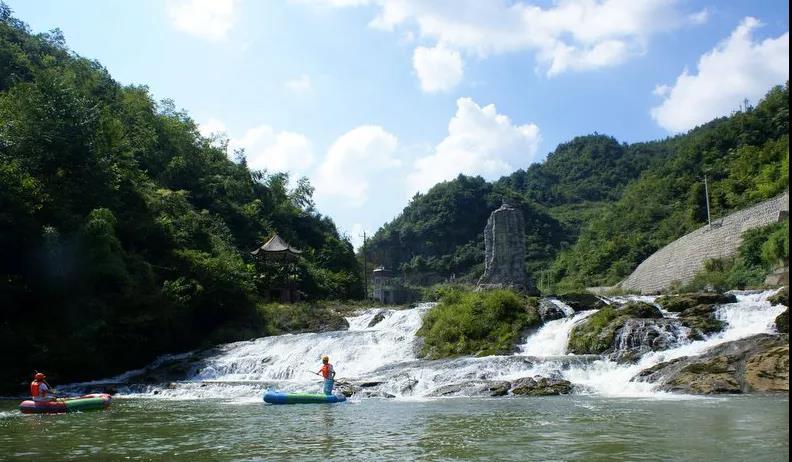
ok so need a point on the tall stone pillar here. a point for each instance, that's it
(504, 251)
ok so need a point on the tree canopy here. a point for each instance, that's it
(121, 225)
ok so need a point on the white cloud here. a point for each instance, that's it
(356, 235)
(736, 69)
(568, 35)
(353, 161)
(699, 17)
(208, 19)
(438, 68)
(301, 85)
(212, 127)
(480, 142)
(266, 148)
(278, 151)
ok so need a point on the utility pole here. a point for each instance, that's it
(706, 196)
(365, 270)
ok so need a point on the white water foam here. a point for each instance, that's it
(385, 356)
(553, 337)
(751, 315)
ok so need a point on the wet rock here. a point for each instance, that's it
(473, 388)
(541, 386)
(701, 320)
(780, 298)
(499, 388)
(681, 302)
(582, 301)
(640, 310)
(375, 394)
(345, 388)
(597, 334)
(755, 364)
(549, 311)
(638, 336)
(377, 319)
(369, 384)
(782, 322)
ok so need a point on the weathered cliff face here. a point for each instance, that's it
(504, 251)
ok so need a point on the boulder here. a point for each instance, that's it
(473, 388)
(782, 322)
(681, 302)
(780, 298)
(549, 311)
(582, 301)
(755, 364)
(701, 320)
(499, 388)
(541, 386)
(347, 389)
(640, 310)
(597, 334)
(377, 319)
(640, 335)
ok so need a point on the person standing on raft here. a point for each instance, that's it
(40, 389)
(328, 373)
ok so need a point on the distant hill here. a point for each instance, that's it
(596, 207)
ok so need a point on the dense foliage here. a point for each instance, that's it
(595, 208)
(484, 323)
(121, 226)
(745, 158)
(760, 250)
(440, 233)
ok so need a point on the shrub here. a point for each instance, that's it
(466, 322)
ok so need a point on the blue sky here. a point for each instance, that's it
(375, 100)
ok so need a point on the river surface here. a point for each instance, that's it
(207, 405)
(572, 427)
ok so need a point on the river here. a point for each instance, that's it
(573, 427)
(207, 405)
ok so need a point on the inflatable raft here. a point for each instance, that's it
(279, 397)
(94, 402)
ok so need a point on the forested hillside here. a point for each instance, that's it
(440, 233)
(596, 208)
(123, 232)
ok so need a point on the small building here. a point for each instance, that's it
(382, 282)
(389, 289)
(276, 261)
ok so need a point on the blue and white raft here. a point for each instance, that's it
(280, 397)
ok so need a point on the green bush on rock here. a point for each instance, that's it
(466, 322)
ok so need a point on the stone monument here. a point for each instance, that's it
(504, 251)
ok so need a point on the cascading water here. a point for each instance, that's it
(552, 338)
(751, 315)
(382, 358)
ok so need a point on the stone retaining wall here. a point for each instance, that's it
(680, 260)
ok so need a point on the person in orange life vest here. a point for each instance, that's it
(328, 373)
(40, 389)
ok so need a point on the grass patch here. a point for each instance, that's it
(485, 323)
(300, 317)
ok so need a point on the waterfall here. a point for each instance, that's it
(552, 338)
(751, 315)
(383, 359)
